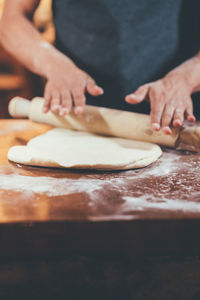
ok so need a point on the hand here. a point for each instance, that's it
(66, 87)
(170, 100)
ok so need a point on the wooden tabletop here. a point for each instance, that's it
(147, 209)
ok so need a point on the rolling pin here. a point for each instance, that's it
(106, 121)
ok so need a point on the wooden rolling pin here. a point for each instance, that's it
(106, 121)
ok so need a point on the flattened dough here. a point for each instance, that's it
(71, 149)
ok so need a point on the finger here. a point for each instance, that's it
(92, 88)
(139, 95)
(189, 112)
(47, 101)
(178, 117)
(79, 101)
(55, 102)
(156, 114)
(167, 118)
(66, 103)
(47, 97)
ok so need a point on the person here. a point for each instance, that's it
(124, 52)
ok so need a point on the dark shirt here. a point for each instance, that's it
(123, 44)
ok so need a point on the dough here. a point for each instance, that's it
(72, 149)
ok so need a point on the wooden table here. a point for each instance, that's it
(155, 210)
(98, 235)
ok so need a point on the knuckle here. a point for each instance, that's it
(189, 106)
(46, 103)
(165, 122)
(47, 93)
(66, 105)
(178, 116)
(154, 118)
(57, 85)
(79, 97)
(189, 111)
(66, 101)
(77, 82)
(65, 94)
(154, 95)
(155, 114)
(156, 109)
(47, 97)
(79, 101)
(167, 116)
(91, 80)
(78, 94)
(55, 101)
(179, 110)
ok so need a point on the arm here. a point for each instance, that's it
(66, 83)
(170, 97)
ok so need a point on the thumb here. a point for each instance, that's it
(92, 88)
(139, 95)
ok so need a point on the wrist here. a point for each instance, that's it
(59, 64)
(188, 74)
(51, 61)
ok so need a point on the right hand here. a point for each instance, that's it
(66, 87)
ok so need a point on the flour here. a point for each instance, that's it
(142, 203)
(166, 165)
(48, 185)
(169, 185)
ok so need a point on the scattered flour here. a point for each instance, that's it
(161, 186)
(141, 203)
(48, 185)
(166, 165)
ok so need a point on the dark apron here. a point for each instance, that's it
(123, 44)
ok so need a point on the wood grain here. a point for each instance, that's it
(166, 189)
(54, 213)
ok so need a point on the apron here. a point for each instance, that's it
(123, 44)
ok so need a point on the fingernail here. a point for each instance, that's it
(156, 126)
(191, 118)
(78, 110)
(177, 123)
(167, 130)
(65, 111)
(135, 97)
(56, 108)
(129, 99)
(61, 113)
(101, 91)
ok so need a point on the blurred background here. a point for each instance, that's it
(15, 80)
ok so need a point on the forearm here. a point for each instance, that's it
(189, 71)
(22, 40)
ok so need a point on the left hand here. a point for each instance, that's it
(170, 100)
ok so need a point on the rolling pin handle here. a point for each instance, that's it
(19, 107)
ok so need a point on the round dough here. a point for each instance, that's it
(72, 149)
